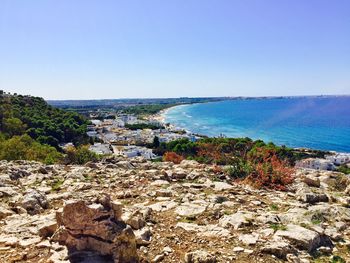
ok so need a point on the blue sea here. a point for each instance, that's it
(311, 122)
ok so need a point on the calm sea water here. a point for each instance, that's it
(318, 123)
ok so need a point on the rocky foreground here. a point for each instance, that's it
(123, 210)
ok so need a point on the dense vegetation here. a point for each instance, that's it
(146, 109)
(258, 163)
(25, 148)
(30, 129)
(344, 169)
(141, 126)
(224, 151)
(33, 116)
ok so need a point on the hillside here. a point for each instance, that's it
(33, 116)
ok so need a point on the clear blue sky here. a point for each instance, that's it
(84, 49)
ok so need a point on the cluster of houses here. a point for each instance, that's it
(330, 163)
(113, 138)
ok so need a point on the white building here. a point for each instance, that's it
(127, 118)
(101, 148)
(339, 158)
(92, 134)
(110, 137)
(96, 122)
(316, 163)
(133, 151)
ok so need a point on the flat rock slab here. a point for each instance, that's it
(190, 210)
(236, 220)
(221, 186)
(301, 237)
(163, 206)
(205, 231)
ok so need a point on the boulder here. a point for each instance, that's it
(4, 212)
(94, 228)
(16, 174)
(278, 247)
(205, 231)
(313, 198)
(143, 236)
(222, 186)
(163, 206)
(347, 190)
(34, 202)
(303, 238)
(47, 228)
(190, 210)
(236, 220)
(199, 256)
(91, 165)
(164, 193)
(135, 220)
(189, 164)
(249, 239)
(179, 173)
(311, 181)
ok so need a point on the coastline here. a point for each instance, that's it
(161, 117)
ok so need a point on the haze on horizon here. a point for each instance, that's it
(89, 49)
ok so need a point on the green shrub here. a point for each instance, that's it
(80, 155)
(25, 148)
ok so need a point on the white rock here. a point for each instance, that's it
(221, 186)
(236, 220)
(190, 210)
(301, 237)
(249, 239)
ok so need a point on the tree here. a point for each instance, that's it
(156, 142)
(80, 155)
(25, 148)
(13, 126)
(172, 157)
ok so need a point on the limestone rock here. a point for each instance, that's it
(179, 173)
(199, 256)
(4, 212)
(190, 210)
(189, 164)
(163, 206)
(94, 228)
(313, 198)
(311, 181)
(205, 231)
(164, 193)
(34, 202)
(301, 237)
(249, 239)
(221, 186)
(278, 248)
(236, 220)
(143, 236)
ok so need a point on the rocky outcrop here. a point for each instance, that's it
(96, 228)
(161, 212)
(34, 202)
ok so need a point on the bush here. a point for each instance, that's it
(172, 157)
(13, 126)
(80, 155)
(344, 169)
(268, 171)
(25, 148)
(142, 126)
(239, 169)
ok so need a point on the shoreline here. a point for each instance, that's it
(160, 116)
